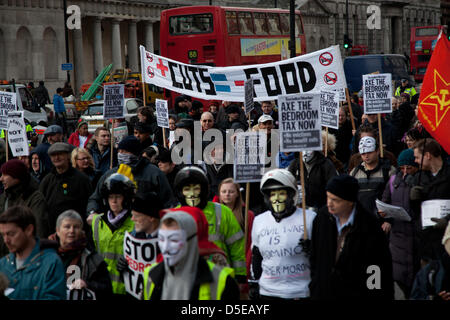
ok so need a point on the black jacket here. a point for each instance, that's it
(346, 279)
(231, 291)
(69, 190)
(316, 179)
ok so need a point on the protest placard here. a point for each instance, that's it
(113, 105)
(17, 134)
(299, 118)
(434, 209)
(249, 156)
(7, 103)
(329, 109)
(248, 103)
(119, 133)
(140, 253)
(377, 89)
(162, 113)
(304, 73)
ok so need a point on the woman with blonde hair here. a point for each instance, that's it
(82, 160)
(329, 140)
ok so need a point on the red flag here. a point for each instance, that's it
(434, 102)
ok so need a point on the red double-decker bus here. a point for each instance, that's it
(422, 43)
(227, 36)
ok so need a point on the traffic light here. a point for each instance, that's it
(347, 42)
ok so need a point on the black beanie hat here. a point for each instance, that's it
(130, 144)
(148, 204)
(344, 186)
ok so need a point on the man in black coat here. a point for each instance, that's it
(350, 257)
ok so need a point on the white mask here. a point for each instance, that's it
(173, 245)
(307, 156)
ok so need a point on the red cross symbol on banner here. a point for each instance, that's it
(162, 67)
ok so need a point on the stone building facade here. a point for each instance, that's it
(32, 41)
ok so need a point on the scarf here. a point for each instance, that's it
(70, 255)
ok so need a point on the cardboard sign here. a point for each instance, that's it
(434, 209)
(314, 71)
(7, 104)
(119, 133)
(377, 89)
(329, 109)
(249, 156)
(17, 134)
(248, 103)
(162, 113)
(140, 254)
(114, 101)
(299, 118)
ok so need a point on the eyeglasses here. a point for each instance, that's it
(83, 159)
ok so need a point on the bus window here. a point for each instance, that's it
(232, 24)
(298, 26)
(284, 21)
(427, 32)
(245, 22)
(274, 23)
(261, 24)
(197, 23)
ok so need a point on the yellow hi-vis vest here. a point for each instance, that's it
(207, 291)
(109, 245)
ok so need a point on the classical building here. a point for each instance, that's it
(32, 33)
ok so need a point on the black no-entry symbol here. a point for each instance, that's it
(149, 57)
(150, 72)
(330, 78)
(326, 59)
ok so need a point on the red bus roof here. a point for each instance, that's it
(211, 8)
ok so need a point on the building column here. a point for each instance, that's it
(78, 58)
(115, 45)
(98, 47)
(149, 36)
(133, 46)
(387, 35)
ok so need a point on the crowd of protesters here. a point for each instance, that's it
(70, 203)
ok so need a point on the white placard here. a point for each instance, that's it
(377, 89)
(7, 104)
(249, 156)
(329, 108)
(434, 209)
(114, 101)
(299, 122)
(140, 254)
(309, 72)
(119, 133)
(17, 134)
(162, 113)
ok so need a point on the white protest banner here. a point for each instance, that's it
(394, 212)
(249, 156)
(119, 133)
(377, 89)
(17, 134)
(7, 103)
(329, 109)
(299, 118)
(341, 94)
(140, 253)
(114, 101)
(248, 102)
(434, 209)
(162, 113)
(309, 72)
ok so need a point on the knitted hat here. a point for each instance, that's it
(344, 186)
(16, 169)
(232, 108)
(130, 144)
(148, 204)
(406, 158)
(81, 123)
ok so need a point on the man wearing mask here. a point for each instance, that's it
(318, 171)
(192, 189)
(274, 274)
(147, 176)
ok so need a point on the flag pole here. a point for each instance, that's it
(302, 182)
(380, 136)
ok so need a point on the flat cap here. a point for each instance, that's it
(54, 128)
(59, 147)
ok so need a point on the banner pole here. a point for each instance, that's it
(350, 108)
(247, 199)
(381, 136)
(112, 145)
(6, 141)
(164, 137)
(302, 181)
(326, 141)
